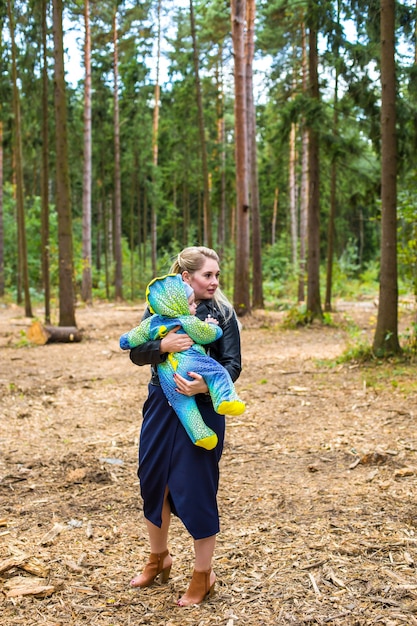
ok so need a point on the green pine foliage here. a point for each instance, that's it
(177, 185)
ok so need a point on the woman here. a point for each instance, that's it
(176, 476)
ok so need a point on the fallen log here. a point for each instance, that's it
(42, 334)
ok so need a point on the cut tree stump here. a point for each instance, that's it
(40, 334)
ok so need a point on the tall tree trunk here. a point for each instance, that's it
(108, 240)
(134, 219)
(274, 217)
(415, 141)
(313, 259)
(207, 231)
(199, 220)
(257, 276)
(19, 171)
(100, 229)
(132, 237)
(221, 153)
(155, 133)
(386, 333)
(293, 196)
(304, 199)
(87, 286)
(45, 170)
(2, 285)
(330, 234)
(2, 277)
(118, 276)
(19, 298)
(185, 212)
(241, 274)
(140, 216)
(333, 184)
(145, 229)
(304, 179)
(106, 254)
(175, 205)
(63, 201)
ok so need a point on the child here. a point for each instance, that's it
(172, 303)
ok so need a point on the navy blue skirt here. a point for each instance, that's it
(167, 457)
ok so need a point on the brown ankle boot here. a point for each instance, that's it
(199, 589)
(155, 567)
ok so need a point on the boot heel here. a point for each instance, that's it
(164, 575)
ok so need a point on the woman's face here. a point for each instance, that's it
(205, 280)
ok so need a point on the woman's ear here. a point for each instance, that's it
(186, 277)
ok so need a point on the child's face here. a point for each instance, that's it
(192, 305)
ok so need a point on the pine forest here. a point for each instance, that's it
(281, 133)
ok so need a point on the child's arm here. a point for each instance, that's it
(136, 336)
(200, 332)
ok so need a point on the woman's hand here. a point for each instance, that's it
(211, 320)
(175, 342)
(190, 387)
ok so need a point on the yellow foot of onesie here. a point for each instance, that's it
(231, 407)
(207, 442)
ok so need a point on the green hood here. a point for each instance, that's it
(166, 296)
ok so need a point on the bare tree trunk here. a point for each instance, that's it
(175, 205)
(140, 216)
(293, 197)
(330, 237)
(274, 217)
(304, 195)
(118, 279)
(221, 153)
(241, 275)
(207, 230)
(87, 286)
(333, 187)
(19, 171)
(313, 260)
(134, 219)
(386, 333)
(145, 229)
(100, 230)
(140, 220)
(304, 181)
(257, 277)
(45, 171)
(155, 131)
(199, 220)
(2, 277)
(415, 137)
(108, 241)
(185, 213)
(132, 238)
(2, 283)
(63, 202)
(223, 186)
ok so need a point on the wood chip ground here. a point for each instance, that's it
(318, 483)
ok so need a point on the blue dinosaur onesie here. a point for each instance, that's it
(168, 302)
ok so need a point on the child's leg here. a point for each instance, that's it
(221, 387)
(191, 418)
(186, 409)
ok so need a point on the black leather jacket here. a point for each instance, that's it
(225, 350)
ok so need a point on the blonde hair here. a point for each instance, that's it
(191, 260)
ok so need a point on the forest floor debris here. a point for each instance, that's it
(318, 482)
